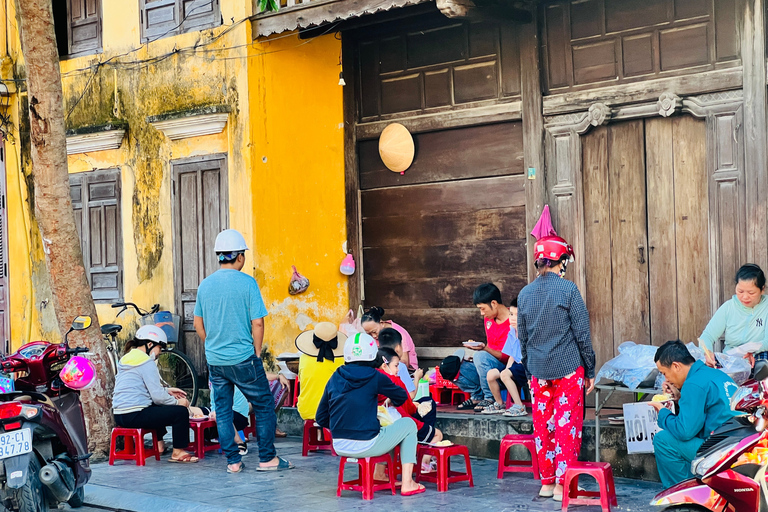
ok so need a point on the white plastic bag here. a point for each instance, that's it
(634, 366)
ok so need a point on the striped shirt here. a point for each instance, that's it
(553, 327)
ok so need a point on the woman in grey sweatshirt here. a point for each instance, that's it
(141, 401)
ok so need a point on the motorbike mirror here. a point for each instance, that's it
(81, 323)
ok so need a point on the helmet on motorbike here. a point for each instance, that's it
(151, 334)
(79, 373)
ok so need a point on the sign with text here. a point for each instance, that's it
(640, 427)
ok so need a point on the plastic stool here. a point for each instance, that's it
(133, 449)
(199, 445)
(364, 481)
(444, 474)
(310, 441)
(251, 428)
(296, 390)
(600, 471)
(518, 466)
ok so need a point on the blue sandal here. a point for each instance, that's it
(281, 465)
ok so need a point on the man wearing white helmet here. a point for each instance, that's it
(229, 318)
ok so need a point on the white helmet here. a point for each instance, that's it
(230, 240)
(152, 333)
(360, 347)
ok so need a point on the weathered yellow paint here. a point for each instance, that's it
(186, 80)
(298, 181)
(283, 140)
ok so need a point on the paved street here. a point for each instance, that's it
(161, 486)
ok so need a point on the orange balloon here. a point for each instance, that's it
(396, 147)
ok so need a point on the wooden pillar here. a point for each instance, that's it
(351, 177)
(755, 130)
(533, 131)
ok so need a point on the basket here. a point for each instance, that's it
(167, 321)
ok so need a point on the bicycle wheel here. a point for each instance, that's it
(177, 371)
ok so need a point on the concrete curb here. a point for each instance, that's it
(126, 501)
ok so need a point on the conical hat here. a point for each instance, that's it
(396, 147)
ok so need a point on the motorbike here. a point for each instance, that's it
(730, 466)
(43, 444)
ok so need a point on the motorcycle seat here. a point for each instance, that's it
(111, 328)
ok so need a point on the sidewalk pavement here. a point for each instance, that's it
(206, 487)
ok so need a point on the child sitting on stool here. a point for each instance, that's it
(513, 376)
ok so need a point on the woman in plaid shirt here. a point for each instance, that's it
(553, 327)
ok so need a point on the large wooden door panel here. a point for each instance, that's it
(597, 220)
(660, 177)
(692, 221)
(629, 260)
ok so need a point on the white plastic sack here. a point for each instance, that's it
(634, 366)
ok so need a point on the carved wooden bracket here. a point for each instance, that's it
(668, 104)
(487, 10)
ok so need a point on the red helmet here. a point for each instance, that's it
(551, 248)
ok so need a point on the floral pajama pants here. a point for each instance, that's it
(558, 415)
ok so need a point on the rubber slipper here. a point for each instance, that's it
(281, 465)
(184, 459)
(420, 490)
(546, 494)
(242, 467)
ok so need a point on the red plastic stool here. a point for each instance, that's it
(600, 471)
(296, 389)
(518, 466)
(364, 481)
(310, 441)
(133, 448)
(199, 445)
(250, 430)
(444, 474)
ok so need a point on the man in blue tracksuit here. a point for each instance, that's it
(703, 396)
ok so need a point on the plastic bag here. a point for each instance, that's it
(387, 415)
(351, 324)
(634, 366)
(736, 368)
(299, 283)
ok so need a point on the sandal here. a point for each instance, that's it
(186, 458)
(466, 405)
(281, 465)
(420, 490)
(243, 448)
(239, 470)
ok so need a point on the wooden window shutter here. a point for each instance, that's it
(84, 30)
(96, 204)
(159, 18)
(197, 14)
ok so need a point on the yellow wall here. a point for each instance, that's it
(298, 181)
(187, 80)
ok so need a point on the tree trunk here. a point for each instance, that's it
(53, 210)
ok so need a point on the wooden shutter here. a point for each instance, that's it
(96, 204)
(159, 18)
(199, 13)
(5, 323)
(84, 31)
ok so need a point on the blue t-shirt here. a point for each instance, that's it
(512, 346)
(228, 301)
(402, 372)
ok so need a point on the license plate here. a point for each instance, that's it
(15, 443)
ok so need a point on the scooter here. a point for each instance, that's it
(730, 466)
(43, 444)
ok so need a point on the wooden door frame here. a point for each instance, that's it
(176, 170)
(6, 333)
(723, 113)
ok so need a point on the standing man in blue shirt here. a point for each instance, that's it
(229, 318)
(703, 395)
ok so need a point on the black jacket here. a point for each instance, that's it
(349, 403)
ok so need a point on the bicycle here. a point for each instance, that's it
(176, 369)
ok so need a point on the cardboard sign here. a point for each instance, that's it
(640, 427)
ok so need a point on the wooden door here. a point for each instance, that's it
(647, 239)
(200, 213)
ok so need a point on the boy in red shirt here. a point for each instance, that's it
(489, 356)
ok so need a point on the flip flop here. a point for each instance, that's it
(420, 490)
(184, 459)
(281, 465)
(242, 467)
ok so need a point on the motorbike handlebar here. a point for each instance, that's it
(77, 350)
